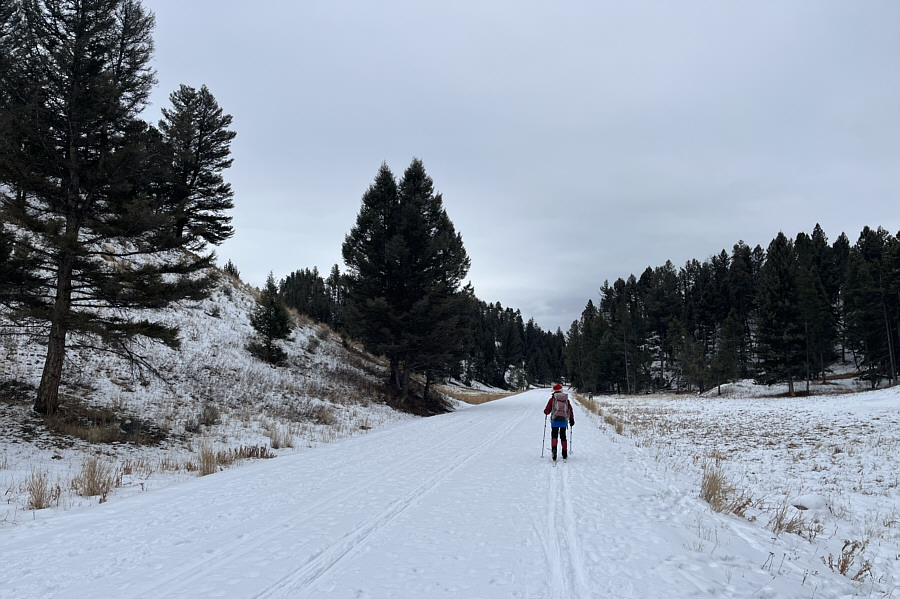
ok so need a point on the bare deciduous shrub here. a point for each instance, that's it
(844, 563)
(209, 415)
(41, 494)
(95, 478)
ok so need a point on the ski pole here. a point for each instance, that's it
(544, 436)
(571, 436)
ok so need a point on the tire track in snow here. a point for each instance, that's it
(237, 550)
(301, 582)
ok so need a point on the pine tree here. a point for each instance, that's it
(868, 305)
(196, 135)
(75, 171)
(272, 322)
(406, 264)
(782, 345)
(232, 270)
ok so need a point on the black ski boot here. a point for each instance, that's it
(553, 451)
(565, 454)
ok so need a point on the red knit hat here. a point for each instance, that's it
(557, 387)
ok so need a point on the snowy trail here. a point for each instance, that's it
(455, 505)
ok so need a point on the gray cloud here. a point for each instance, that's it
(573, 142)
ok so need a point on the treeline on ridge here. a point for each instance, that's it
(788, 314)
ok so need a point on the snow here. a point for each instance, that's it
(462, 504)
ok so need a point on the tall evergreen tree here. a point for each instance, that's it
(74, 160)
(196, 134)
(781, 339)
(405, 266)
(868, 305)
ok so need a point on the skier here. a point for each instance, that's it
(560, 410)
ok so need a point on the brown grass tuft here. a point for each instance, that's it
(41, 494)
(95, 478)
(717, 489)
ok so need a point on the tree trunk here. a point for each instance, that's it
(47, 401)
(890, 342)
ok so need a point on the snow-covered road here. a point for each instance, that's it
(459, 505)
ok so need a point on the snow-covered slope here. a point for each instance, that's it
(458, 505)
(211, 394)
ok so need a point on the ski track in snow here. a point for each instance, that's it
(238, 551)
(300, 583)
(459, 505)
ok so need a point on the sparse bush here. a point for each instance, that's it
(323, 415)
(95, 478)
(209, 415)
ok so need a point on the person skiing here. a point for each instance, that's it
(559, 408)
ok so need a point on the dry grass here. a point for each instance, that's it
(279, 437)
(720, 492)
(471, 396)
(209, 460)
(206, 461)
(788, 520)
(845, 561)
(612, 417)
(101, 425)
(96, 478)
(41, 493)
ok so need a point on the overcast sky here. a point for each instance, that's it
(573, 142)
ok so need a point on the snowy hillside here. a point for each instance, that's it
(463, 505)
(209, 404)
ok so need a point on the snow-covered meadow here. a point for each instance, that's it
(820, 473)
